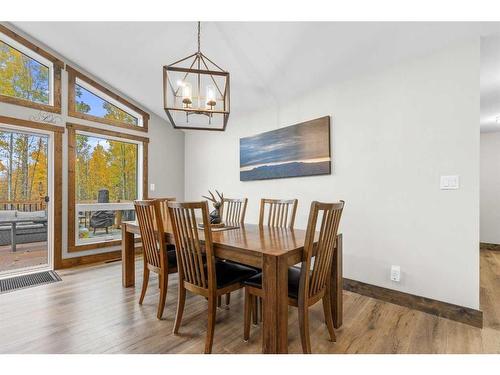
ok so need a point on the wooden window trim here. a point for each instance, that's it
(57, 172)
(73, 74)
(58, 65)
(72, 129)
(94, 258)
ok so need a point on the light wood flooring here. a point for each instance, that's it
(89, 312)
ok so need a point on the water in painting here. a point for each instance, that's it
(293, 151)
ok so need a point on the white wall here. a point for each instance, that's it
(393, 134)
(490, 188)
(165, 150)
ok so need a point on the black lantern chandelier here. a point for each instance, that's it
(196, 93)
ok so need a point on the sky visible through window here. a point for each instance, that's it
(89, 103)
(93, 141)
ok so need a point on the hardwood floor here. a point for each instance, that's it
(89, 312)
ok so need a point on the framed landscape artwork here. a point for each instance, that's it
(298, 150)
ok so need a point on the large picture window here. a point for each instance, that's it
(29, 76)
(106, 175)
(91, 101)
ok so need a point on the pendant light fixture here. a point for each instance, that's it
(196, 93)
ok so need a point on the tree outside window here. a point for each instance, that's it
(22, 77)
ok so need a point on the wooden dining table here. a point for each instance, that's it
(271, 249)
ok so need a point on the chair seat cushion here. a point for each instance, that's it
(293, 282)
(172, 258)
(230, 273)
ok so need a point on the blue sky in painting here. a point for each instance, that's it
(297, 142)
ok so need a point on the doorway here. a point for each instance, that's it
(25, 206)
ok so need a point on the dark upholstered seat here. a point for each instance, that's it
(228, 273)
(172, 258)
(293, 282)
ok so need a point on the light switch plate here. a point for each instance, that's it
(152, 187)
(449, 182)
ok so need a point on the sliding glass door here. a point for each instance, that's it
(24, 201)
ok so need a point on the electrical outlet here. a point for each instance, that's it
(449, 182)
(152, 187)
(395, 273)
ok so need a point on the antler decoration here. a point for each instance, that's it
(212, 198)
(215, 215)
(221, 196)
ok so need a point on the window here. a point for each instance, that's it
(106, 175)
(28, 78)
(23, 77)
(91, 101)
(88, 102)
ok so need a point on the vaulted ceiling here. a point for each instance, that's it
(270, 63)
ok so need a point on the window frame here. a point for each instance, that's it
(73, 130)
(36, 53)
(77, 78)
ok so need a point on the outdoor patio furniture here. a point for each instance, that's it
(18, 227)
(102, 219)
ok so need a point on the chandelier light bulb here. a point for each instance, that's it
(210, 97)
(187, 98)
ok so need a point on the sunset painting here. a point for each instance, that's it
(293, 151)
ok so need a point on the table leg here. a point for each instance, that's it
(13, 230)
(275, 304)
(128, 258)
(337, 284)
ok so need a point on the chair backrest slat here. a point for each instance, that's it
(152, 233)
(280, 213)
(314, 279)
(164, 209)
(190, 257)
(234, 210)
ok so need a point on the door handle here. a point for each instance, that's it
(46, 199)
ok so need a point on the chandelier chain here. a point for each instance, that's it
(199, 43)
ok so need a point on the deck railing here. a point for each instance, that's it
(26, 205)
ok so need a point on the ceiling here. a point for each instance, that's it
(270, 63)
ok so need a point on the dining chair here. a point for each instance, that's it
(234, 210)
(164, 209)
(157, 258)
(311, 282)
(280, 212)
(200, 272)
(165, 216)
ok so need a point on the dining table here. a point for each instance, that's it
(271, 249)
